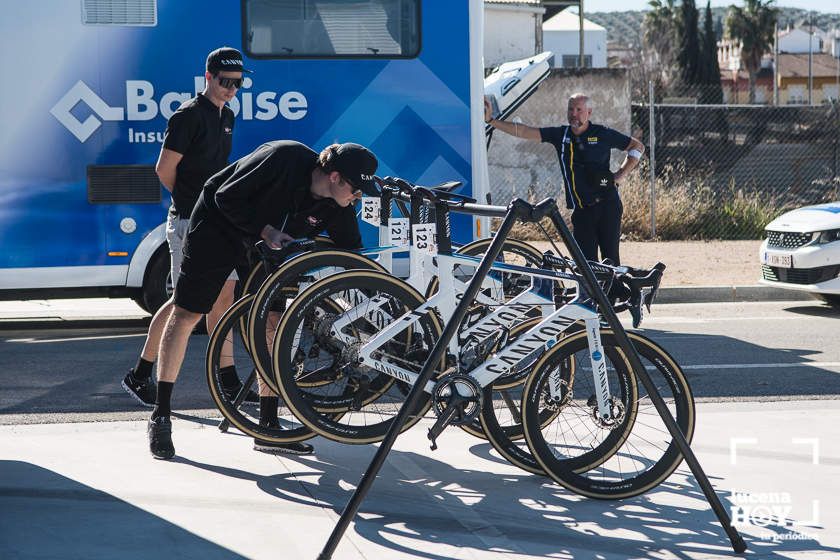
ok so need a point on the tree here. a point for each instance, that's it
(753, 26)
(659, 35)
(689, 52)
(710, 74)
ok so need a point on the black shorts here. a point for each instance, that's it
(211, 251)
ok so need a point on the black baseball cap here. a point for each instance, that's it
(357, 165)
(225, 59)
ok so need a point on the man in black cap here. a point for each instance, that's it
(197, 144)
(281, 191)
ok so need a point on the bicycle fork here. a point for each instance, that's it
(602, 407)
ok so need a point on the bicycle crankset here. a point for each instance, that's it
(456, 399)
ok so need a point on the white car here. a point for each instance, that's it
(801, 251)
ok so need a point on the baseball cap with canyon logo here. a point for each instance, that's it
(357, 165)
(225, 59)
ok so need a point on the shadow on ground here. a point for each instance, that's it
(46, 515)
(407, 510)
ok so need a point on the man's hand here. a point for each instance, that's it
(274, 237)
(488, 110)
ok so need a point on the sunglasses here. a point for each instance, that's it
(353, 189)
(229, 83)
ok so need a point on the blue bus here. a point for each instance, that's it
(95, 81)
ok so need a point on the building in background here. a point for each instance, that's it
(512, 30)
(561, 35)
(790, 70)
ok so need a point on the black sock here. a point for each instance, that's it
(164, 396)
(228, 377)
(143, 369)
(268, 410)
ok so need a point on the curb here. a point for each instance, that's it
(723, 294)
(22, 323)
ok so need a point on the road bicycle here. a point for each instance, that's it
(383, 332)
(245, 332)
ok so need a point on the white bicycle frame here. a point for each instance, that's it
(541, 337)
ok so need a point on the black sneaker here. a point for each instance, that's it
(160, 438)
(143, 391)
(231, 392)
(297, 448)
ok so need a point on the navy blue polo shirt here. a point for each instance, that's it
(584, 159)
(202, 134)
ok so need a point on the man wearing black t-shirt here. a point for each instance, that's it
(281, 190)
(583, 149)
(197, 144)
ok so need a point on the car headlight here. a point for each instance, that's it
(827, 236)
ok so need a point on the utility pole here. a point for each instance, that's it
(580, 15)
(776, 75)
(810, 57)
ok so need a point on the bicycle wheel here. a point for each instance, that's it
(227, 342)
(500, 286)
(503, 402)
(315, 341)
(284, 284)
(606, 461)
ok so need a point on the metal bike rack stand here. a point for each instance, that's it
(521, 210)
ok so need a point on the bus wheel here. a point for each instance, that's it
(155, 291)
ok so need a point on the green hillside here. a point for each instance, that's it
(625, 27)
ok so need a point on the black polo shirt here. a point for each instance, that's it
(203, 134)
(272, 185)
(584, 160)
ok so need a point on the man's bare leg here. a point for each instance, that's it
(152, 344)
(173, 345)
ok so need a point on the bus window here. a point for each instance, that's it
(332, 28)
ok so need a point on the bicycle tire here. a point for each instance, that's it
(508, 395)
(245, 417)
(366, 419)
(281, 285)
(645, 448)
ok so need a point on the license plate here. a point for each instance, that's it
(782, 260)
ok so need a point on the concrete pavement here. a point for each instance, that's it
(91, 490)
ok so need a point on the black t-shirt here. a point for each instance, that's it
(584, 160)
(272, 185)
(203, 135)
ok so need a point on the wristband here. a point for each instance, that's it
(635, 154)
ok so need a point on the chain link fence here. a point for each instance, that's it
(719, 171)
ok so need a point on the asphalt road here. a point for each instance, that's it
(742, 351)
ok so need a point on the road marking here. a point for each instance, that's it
(42, 340)
(756, 366)
(692, 320)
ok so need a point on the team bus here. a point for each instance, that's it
(90, 85)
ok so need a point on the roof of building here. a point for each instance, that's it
(795, 65)
(569, 21)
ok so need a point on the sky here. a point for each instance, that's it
(830, 6)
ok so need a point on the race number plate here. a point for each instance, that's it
(423, 238)
(398, 230)
(370, 210)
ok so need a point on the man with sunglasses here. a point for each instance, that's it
(281, 191)
(584, 150)
(196, 145)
